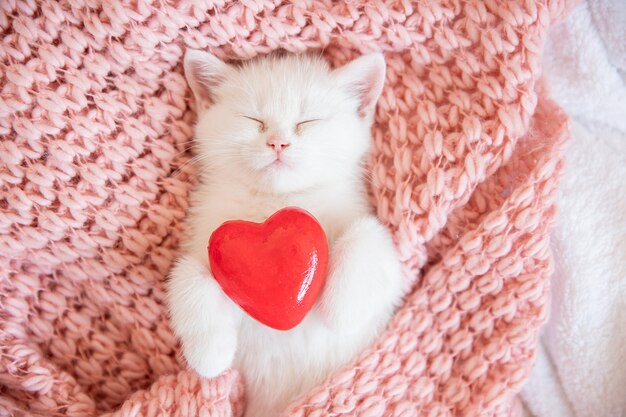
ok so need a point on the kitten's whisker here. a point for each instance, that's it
(184, 143)
(191, 161)
(182, 152)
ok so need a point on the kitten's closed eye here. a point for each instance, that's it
(302, 124)
(261, 123)
(297, 128)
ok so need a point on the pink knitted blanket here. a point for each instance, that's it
(95, 128)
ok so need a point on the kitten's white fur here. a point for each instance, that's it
(322, 173)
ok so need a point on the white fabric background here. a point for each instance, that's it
(581, 365)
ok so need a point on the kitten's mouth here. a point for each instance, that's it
(277, 163)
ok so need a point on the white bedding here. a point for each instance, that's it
(581, 365)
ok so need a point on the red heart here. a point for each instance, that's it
(273, 270)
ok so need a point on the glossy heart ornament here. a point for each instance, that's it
(274, 270)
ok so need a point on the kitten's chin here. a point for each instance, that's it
(279, 178)
(279, 183)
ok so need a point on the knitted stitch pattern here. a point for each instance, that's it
(95, 126)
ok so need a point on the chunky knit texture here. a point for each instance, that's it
(95, 126)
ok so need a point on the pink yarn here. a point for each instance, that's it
(95, 124)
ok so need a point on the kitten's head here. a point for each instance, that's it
(284, 123)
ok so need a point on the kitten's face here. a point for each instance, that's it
(284, 124)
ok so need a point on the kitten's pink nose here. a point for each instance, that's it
(278, 143)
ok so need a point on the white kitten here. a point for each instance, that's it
(276, 132)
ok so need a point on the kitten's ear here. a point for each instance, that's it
(364, 77)
(204, 72)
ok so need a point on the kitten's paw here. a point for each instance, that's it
(210, 356)
(364, 283)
